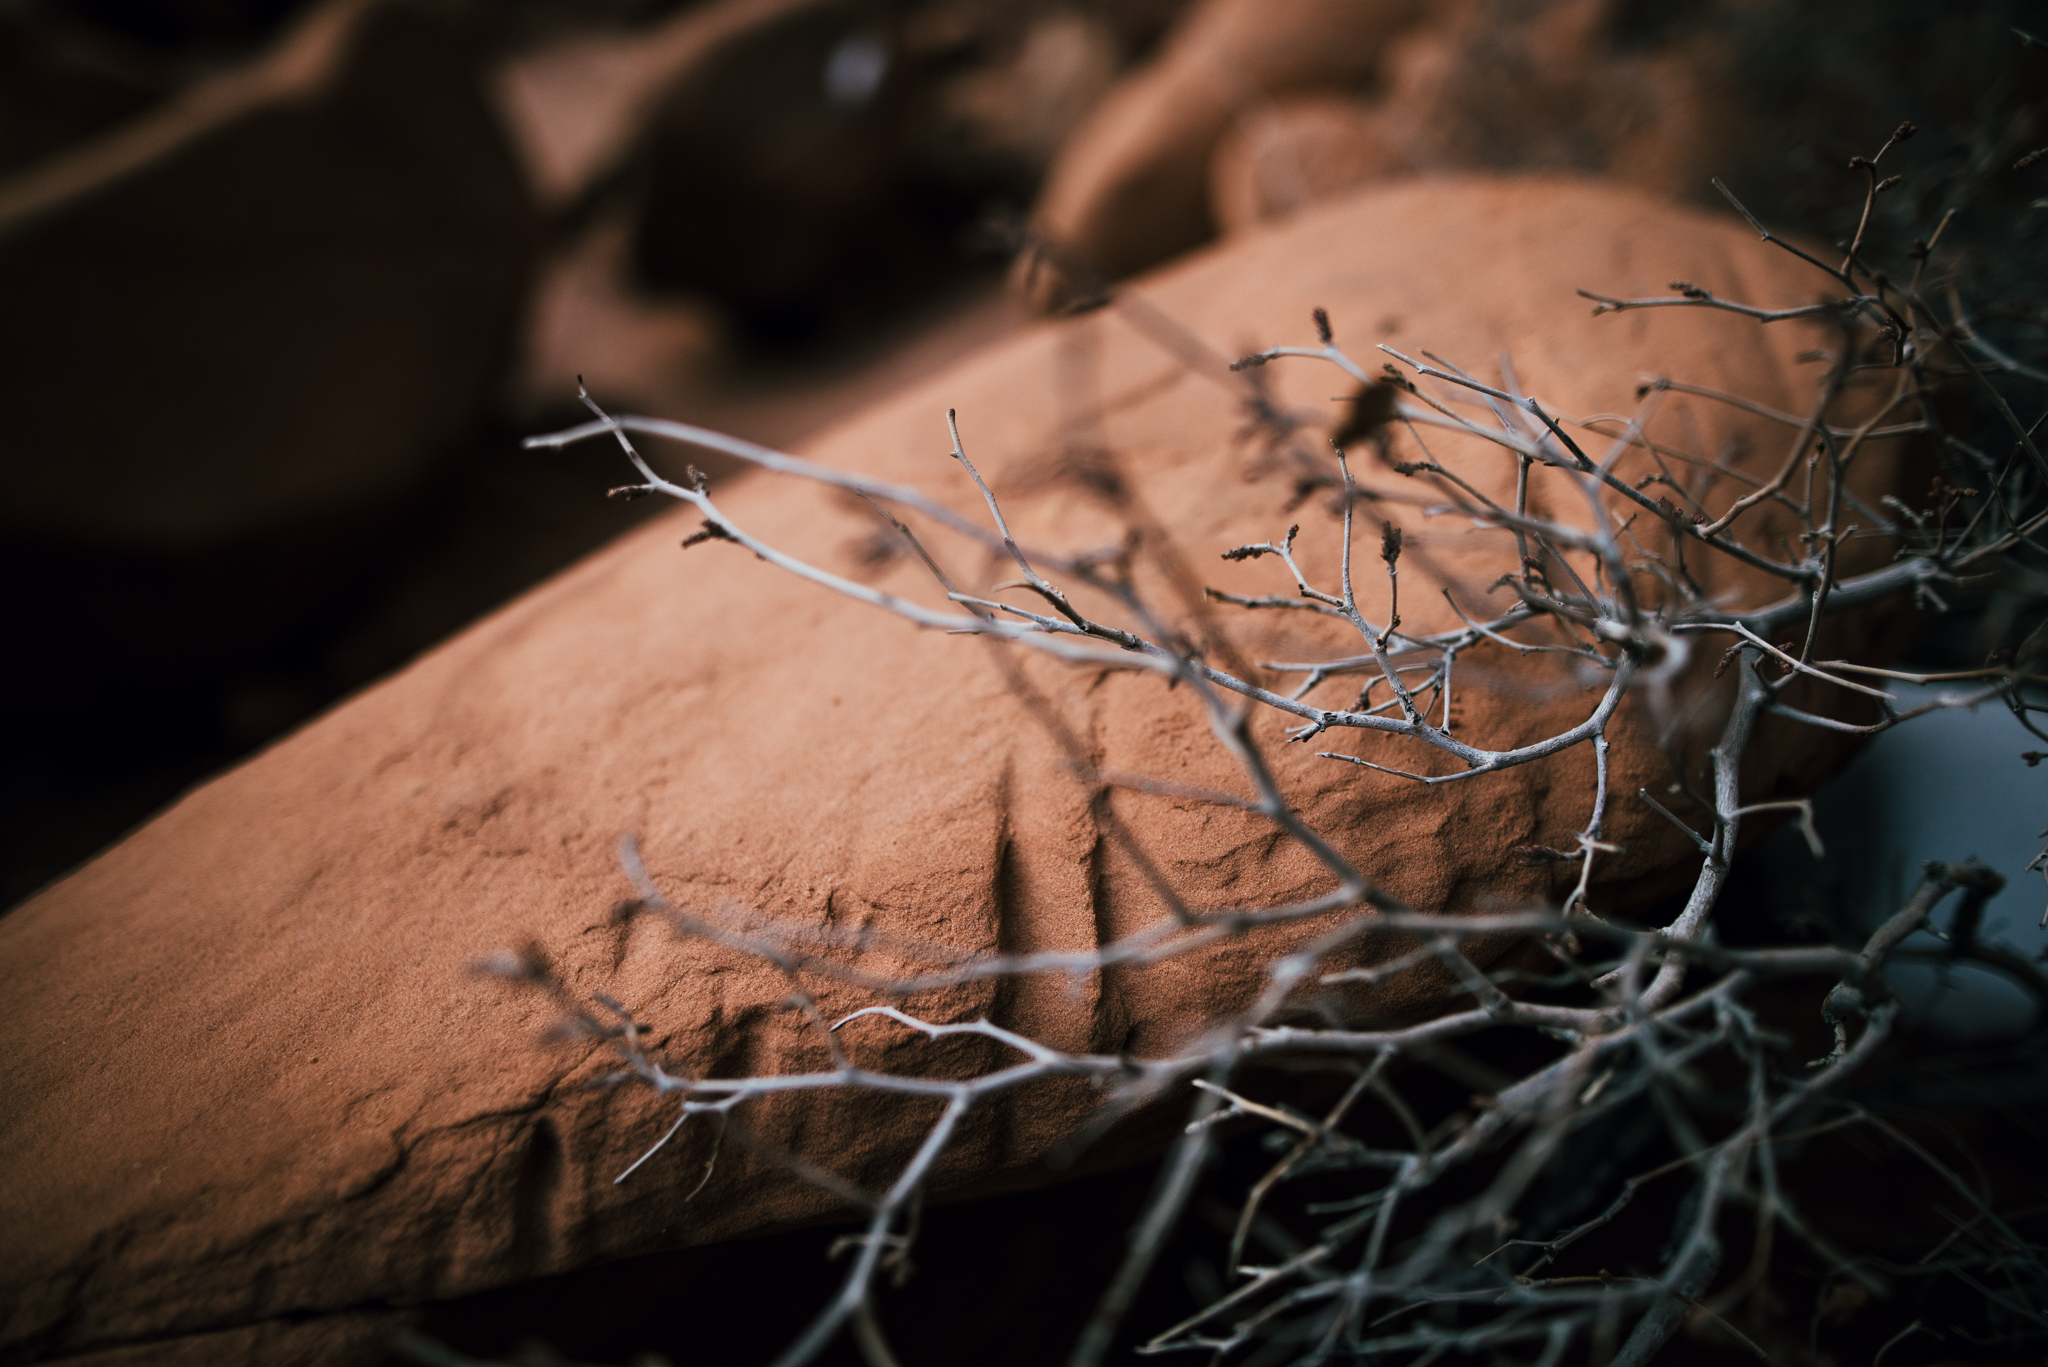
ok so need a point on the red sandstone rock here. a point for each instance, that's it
(253, 1083)
(1253, 109)
(1130, 189)
(1493, 85)
(1278, 159)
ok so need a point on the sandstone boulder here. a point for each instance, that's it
(1253, 109)
(1280, 158)
(258, 1098)
(1131, 186)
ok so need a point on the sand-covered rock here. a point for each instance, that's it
(254, 1084)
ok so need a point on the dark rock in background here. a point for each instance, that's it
(774, 179)
(279, 315)
(243, 329)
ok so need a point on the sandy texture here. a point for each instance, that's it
(250, 1074)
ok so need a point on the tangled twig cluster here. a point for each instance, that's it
(1438, 1248)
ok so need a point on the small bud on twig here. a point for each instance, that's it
(710, 531)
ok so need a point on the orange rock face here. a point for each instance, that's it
(253, 1081)
(1130, 187)
(1279, 159)
(1254, 109)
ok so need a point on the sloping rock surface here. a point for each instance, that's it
(253, 1084)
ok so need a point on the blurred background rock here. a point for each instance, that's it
(285, 282)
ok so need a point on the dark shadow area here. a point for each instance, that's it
(134, 675)
(1007, 1282)
(1013, 1280)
